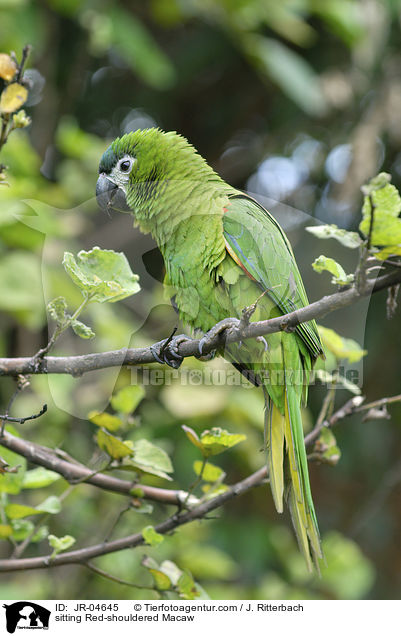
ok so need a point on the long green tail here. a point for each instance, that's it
(288, 467)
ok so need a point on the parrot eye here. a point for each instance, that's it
(125, 165)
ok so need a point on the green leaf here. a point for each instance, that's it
(113, 446)
(152, 537)
(57, 309)
(324, 263)
(348, 239)
(5, 531)
(343, 348)
(210, 472)
(104, 275)
(391, 250)
(151, 459)
(289, 70)
(52, 505)
(386, 228)
(39, 478)
(82, 330)
(42, 533)
(21, 529)
(106, 420)
(376, 183)
(387, 206)
(127, 399)
(187, 587)
(213, 442)
(326, 447)
(60, 544)
(161, 580)
(217, 440)
(385, 198)
(192, 436)
(18, 511)
(11, 483)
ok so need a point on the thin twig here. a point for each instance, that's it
(116, 579)
(22, 420)
(25, 53)
(22, 382)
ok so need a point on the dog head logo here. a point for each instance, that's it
(26, 615)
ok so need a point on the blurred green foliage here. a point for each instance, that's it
(297, 101)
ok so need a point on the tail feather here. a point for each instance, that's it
(275, 433)
(299, 527)
(284, 435)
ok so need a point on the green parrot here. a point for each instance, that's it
(224, 252)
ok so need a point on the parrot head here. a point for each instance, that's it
(139, 171)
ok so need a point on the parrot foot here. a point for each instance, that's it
(166, 351)
(217, 330)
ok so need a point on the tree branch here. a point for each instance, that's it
(78, 365)
(75, 472)
(84, 555)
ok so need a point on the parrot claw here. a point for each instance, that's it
(166, 351)
(263, 340)
(217, 330)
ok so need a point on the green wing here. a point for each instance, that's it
(258, 244)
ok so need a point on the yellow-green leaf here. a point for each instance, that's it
(346, 238)
(127, 399)
(341, 347)
(104, 275)
(152, 537)
(210, 472)
(192, 436)
(5, 531)
(391, 250)
(39, 478)
(324, 263)
(217, 440)
(385, 199)
(386, 228)
(149, 458)
(59, 544)
(162, 582)
(12, 98)
(105, 420)
(18, 511)
(326, 446)
(112, 445)
(187, 586)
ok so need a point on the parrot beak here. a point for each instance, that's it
(110, 196)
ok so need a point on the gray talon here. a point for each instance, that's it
(155, 354)
(217, 330)
(166, 351)
(263, 340)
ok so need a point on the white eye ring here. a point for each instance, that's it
(125, 165)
